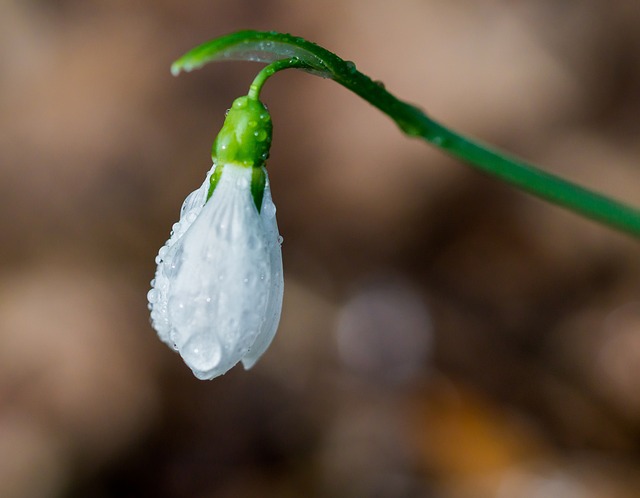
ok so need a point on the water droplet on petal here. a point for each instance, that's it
(280, 239)
(269, 210)
(152, 296)
(169, 270)
(202, 352)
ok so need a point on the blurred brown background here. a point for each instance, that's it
(443, 335)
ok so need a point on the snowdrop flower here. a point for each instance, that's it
(217, 293)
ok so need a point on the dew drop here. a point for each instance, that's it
(152, 296)
(269, 210)
(240, 104)
(169, 270)
(202, 352)
(226, 113)
(351, 66)
(189, 202)
(441, 141)
(242, 183)
(409, 128)
(253, 124)
(280, 239)
(261, 135)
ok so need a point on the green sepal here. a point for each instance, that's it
(258, 182)
(213, 181)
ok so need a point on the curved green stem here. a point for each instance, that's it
(271, 47)
(270, 70)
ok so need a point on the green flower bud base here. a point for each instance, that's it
(244, 140)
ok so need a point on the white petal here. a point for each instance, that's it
(217, 294)
(220, 280)
(157, 296)
(274, 305)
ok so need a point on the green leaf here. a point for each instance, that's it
(257, 46)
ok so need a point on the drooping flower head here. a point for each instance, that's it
(217, 293)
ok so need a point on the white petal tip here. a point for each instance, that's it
(248, 363)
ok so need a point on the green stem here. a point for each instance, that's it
(270, 70)
(282, 49)
(513, 171)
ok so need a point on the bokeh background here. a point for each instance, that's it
(443, 335)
